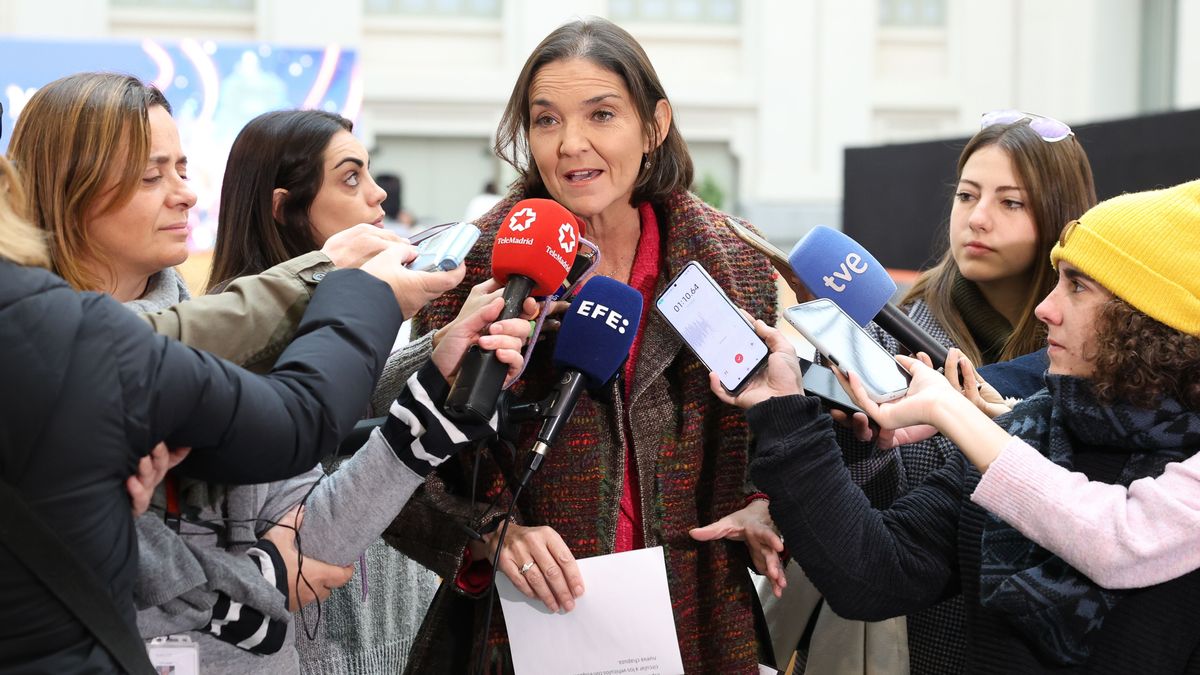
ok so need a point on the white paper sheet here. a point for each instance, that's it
(622, 625)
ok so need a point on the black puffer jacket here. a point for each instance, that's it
(88, 389)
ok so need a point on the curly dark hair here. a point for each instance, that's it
(1141, 360)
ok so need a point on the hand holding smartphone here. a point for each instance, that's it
(443, 249)
(712, 327)
(820, 381)
(847, 346)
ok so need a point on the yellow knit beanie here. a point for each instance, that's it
(1145, 248)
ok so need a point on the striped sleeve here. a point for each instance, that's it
(419, 433)
(244, 626)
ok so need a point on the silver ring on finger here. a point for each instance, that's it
(526, 567)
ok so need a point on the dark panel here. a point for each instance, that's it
(896, 198)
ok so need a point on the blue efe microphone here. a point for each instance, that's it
(834, 266)
(594, 341)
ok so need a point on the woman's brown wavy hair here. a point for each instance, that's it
(76, 138)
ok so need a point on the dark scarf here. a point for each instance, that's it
(988, 327)
(1057, 608)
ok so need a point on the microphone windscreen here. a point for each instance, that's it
(537, 239)
(598, 330)
(834, 266)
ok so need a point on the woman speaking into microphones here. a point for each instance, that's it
(650, 455)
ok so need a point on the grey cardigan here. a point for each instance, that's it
(180, 576)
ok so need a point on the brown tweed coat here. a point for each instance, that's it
(691, 452)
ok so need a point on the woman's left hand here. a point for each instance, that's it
(150, 472)
(309, 580)
(753, 525)
(927, 392)
(975, 388)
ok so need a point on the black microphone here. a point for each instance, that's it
(594, 340)
(834, 266)
(535, 247)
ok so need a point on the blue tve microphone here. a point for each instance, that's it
(593, 342)
(836, 267)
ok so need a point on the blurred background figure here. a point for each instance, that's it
(395, 218)
(482, 202)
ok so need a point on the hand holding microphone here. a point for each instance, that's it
(534, 249)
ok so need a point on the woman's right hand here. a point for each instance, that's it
(781, 377)
(504, 338)
(352, 247)
(413, 289)
(983, 395)
(554, 576)
(482, 294)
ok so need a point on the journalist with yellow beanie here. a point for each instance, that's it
(1145, 248)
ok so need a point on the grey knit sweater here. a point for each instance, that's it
(373, 636)
(182, 575)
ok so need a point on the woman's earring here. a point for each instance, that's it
(646, 164)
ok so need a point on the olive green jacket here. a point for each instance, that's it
(254, 319)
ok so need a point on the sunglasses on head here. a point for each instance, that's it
(1048, 128)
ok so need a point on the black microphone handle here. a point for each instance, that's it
(473, 396)
(570, 386)
(516, 289)
(913, 337)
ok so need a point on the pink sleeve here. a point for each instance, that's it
(1120, 538)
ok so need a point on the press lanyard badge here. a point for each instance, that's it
(174, 655)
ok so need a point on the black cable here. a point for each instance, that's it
(312, 636)
(487, 622)
(215, 526)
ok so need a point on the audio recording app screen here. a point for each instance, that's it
(711, 326)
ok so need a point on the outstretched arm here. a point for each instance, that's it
(1120, 538)
(869, 564)
(248, 428)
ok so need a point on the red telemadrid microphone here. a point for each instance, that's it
(533, 251)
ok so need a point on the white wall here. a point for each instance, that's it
(1187, 67)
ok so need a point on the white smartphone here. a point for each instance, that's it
(446, 249)
(849, 347)
(712, 327)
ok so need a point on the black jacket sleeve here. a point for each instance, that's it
(869, 564)
(245, 428)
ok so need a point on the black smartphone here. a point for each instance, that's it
(846, 345)
(820, 381)
(712, 327)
